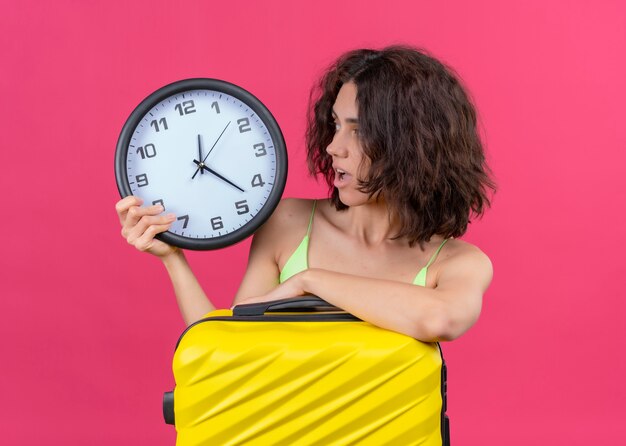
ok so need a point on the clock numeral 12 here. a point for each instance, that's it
(147, 151)
(242, 206)
(217, 223)
(162, 121)
(244, 125)
(259, 149)
(185, 108)
(257, 181)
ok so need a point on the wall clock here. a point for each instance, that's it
(209, 152)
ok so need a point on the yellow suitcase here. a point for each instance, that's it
(301, 372)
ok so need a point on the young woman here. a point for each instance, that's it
(394, 135)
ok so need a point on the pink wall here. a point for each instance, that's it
(89, 325)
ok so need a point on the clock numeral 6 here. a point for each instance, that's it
(242, 206)
(142, 180)
(147, 151)
(217, 223)
(244, 125)
(260, 149)
(257, 181)
(185, 108)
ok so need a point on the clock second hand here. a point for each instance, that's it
(201, 165)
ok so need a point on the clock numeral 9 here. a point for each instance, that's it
(162, 121)
(142, 180)
(217, 223)
(260, 149)
(257, 181)
(242, 206)
(244, 125)
(147, 151)
(185, 108)
(216, 106)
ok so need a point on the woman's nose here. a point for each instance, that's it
(337, 147)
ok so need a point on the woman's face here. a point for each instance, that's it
(346, 149)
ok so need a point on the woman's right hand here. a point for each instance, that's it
(141, 224)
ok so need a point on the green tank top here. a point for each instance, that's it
(299, 259)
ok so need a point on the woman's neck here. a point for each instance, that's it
(371, 224)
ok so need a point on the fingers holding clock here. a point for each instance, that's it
(135, 213)
(136, 228)
(142, 235)
(140, 225)
(124, 205)
(136, 219)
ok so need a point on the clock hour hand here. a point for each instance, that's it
(201, 165)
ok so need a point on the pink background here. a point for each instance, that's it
(89, 325)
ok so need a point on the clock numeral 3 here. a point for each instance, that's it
(147, 151)
(162, 121)
(142, 180)
(259, 149)
(185, 108)
(217, 223)
(244, 125)
(185, 218)
(242, 206)
(257, 181)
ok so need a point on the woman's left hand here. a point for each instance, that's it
(292, 287)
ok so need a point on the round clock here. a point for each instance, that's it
(209, 152)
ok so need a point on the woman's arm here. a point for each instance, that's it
(140, 225)
(262, 273)
(192, 301)
(440, 314)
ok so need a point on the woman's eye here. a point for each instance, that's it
(336, 126)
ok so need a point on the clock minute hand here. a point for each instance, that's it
(201, 165)
(200, 152)
(199, 169)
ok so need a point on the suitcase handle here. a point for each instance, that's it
(308, 302)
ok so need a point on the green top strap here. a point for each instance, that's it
(308, 231)
(432, 259)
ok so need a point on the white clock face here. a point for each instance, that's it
(207, 157)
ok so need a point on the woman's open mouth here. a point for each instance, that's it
(341, 178)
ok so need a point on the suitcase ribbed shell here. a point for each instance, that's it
(305, 383)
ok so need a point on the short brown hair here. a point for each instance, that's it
(418, 128)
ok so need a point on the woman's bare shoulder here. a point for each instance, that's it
(289, 220)
(461, 255)
(291, 211)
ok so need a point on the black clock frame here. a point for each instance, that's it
(251, 101)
